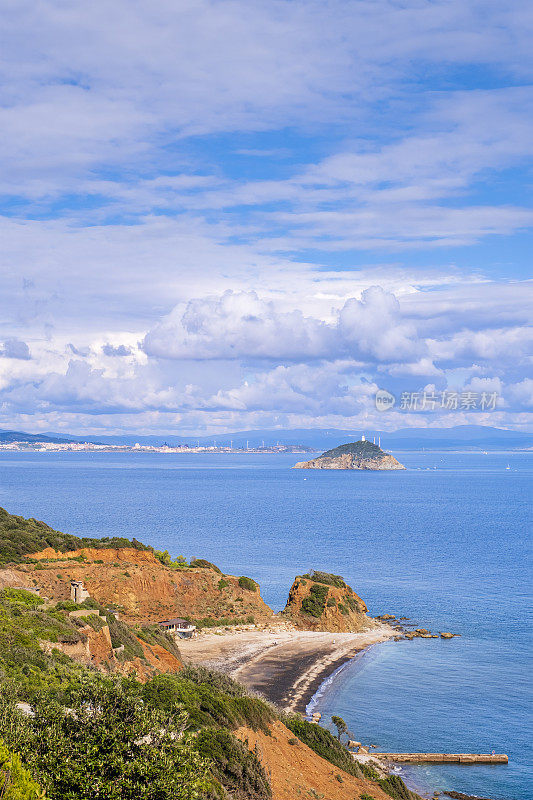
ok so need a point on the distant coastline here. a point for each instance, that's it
(91, 447)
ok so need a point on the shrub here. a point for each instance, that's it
(210, 699)
(21, 596)
(222, 584)
(109, 744)
(315, 603)
(201, 563)
(152, 634)
(247, 583)
(95, 621)
(327, 578)
(16, 783)
(237, 768)
(164, 557)
(122, 635)
(324, 744)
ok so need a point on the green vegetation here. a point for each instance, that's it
(222, 584)
(121, 634)
(327, 578)
(165, 558)
(202, 563)
(340, 725)
(322, 742)
(206, 703)
(20, 537)
(315, 603)
(236, 768)
(107, 744)
(359, 449)
(16, 782)
(247, 583)
(152, 634)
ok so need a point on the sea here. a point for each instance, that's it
(445, 543)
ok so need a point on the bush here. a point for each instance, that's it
(202, 563)
(237, 768)
(210, 699)
(16, 782)
(164, 557)
(324, 744)
(315, 603)
(21, 596)
(327, 578)
(122, 635)
(247, 583)
(110, 745)
(222, 584)
(152, 634)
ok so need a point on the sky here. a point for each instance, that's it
(223, 215)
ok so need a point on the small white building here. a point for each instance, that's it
(180, 628)
(78, 592)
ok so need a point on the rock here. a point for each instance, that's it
(421, 630)
(386, 616)
(446, 635)
(353, 455)
(319, 601)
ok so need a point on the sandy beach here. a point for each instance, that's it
(286, 666)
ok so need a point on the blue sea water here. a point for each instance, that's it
(446, 543)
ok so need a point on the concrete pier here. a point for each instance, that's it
(444, 758)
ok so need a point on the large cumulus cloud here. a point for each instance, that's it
(241, 325)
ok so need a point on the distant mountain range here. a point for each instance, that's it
(462, 437)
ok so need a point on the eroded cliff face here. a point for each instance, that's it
(353, 455)
(143, 589)
(323, 602)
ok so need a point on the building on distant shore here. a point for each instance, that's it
(180, 628)
(78, 592)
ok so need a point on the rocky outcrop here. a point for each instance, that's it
(353, 455)
(323, 602)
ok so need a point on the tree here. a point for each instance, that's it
(110, 745)
(340, 725)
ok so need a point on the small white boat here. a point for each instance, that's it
(508, 466)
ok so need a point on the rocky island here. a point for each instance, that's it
(353, 455)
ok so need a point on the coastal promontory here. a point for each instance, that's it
(353, 455)
(319, 601)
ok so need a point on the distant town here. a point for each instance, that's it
(69, 447)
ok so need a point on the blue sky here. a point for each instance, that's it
(227, 215)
